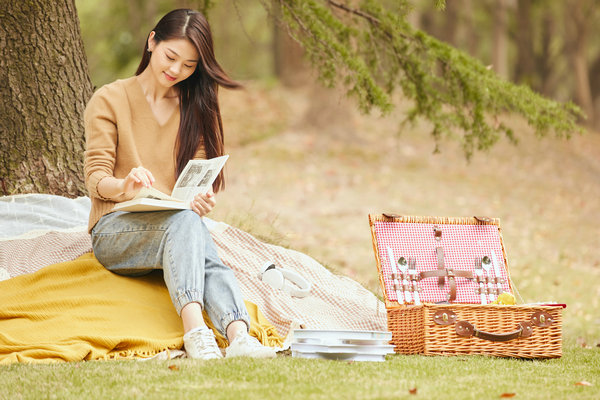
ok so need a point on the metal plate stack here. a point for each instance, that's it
(342, 345)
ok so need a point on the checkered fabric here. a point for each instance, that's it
(462, 244)
(25, 256)
(336, 302)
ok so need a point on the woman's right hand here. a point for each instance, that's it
(137, 178)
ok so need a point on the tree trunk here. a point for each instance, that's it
(595, 90)
(451, 22)
(288, 57)
(546, 61)
(44, 85)
(525, 66)
(469, 32)
(500, 45)
(577, 40)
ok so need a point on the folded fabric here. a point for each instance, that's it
(25, 216)
(78, 310)
(335, 302)
(25, 256)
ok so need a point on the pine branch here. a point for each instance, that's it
(354, 11)
(373, 51)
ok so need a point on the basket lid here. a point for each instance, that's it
(461, 242)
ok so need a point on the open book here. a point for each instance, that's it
(197, 177)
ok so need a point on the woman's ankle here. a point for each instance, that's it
(236, 328)
(192, 318)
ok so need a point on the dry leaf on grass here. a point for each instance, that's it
(173, 367)
(506, 395)
(412, 391)
(582, 383)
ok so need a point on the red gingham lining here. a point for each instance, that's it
(461, 244)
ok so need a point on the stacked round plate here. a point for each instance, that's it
(342, 345)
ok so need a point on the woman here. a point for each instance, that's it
(141, 132)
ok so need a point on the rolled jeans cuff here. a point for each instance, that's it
(228, 318)
(190, 296)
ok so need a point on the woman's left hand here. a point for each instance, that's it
(202, 204)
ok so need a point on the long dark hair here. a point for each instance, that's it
(200, 121)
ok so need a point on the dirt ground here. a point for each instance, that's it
(306, 169)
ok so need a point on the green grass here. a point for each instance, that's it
(469, 377)
(312, 192)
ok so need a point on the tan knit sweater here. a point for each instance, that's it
(122, 133)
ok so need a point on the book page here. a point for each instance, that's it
(152, 193)
(198, 177)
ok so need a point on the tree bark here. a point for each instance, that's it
(44, 85)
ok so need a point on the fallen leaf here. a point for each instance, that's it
(582, 383)
(173, 367)
(412, 391)
(505, 395)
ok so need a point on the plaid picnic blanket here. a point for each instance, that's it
(336, 302)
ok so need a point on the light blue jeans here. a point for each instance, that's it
(179, 243)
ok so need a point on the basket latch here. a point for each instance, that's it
(541, 319)
(444, 317)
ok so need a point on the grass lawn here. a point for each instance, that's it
(314, 192)
(472, 377)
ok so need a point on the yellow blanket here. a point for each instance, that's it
(78, 310)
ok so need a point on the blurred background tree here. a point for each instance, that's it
(367, 47)
(115, 31)
(545, 44)
(541, 44)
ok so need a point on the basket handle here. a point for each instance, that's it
(466, 329)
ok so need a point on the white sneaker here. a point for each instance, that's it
(200, 343)
(245, 345)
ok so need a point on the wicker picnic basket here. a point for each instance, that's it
(454, 328)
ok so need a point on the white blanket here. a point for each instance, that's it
(31, 215)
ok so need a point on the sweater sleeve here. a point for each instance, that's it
(101, 141)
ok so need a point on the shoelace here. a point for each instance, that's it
(248, 341)
(205, 342)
